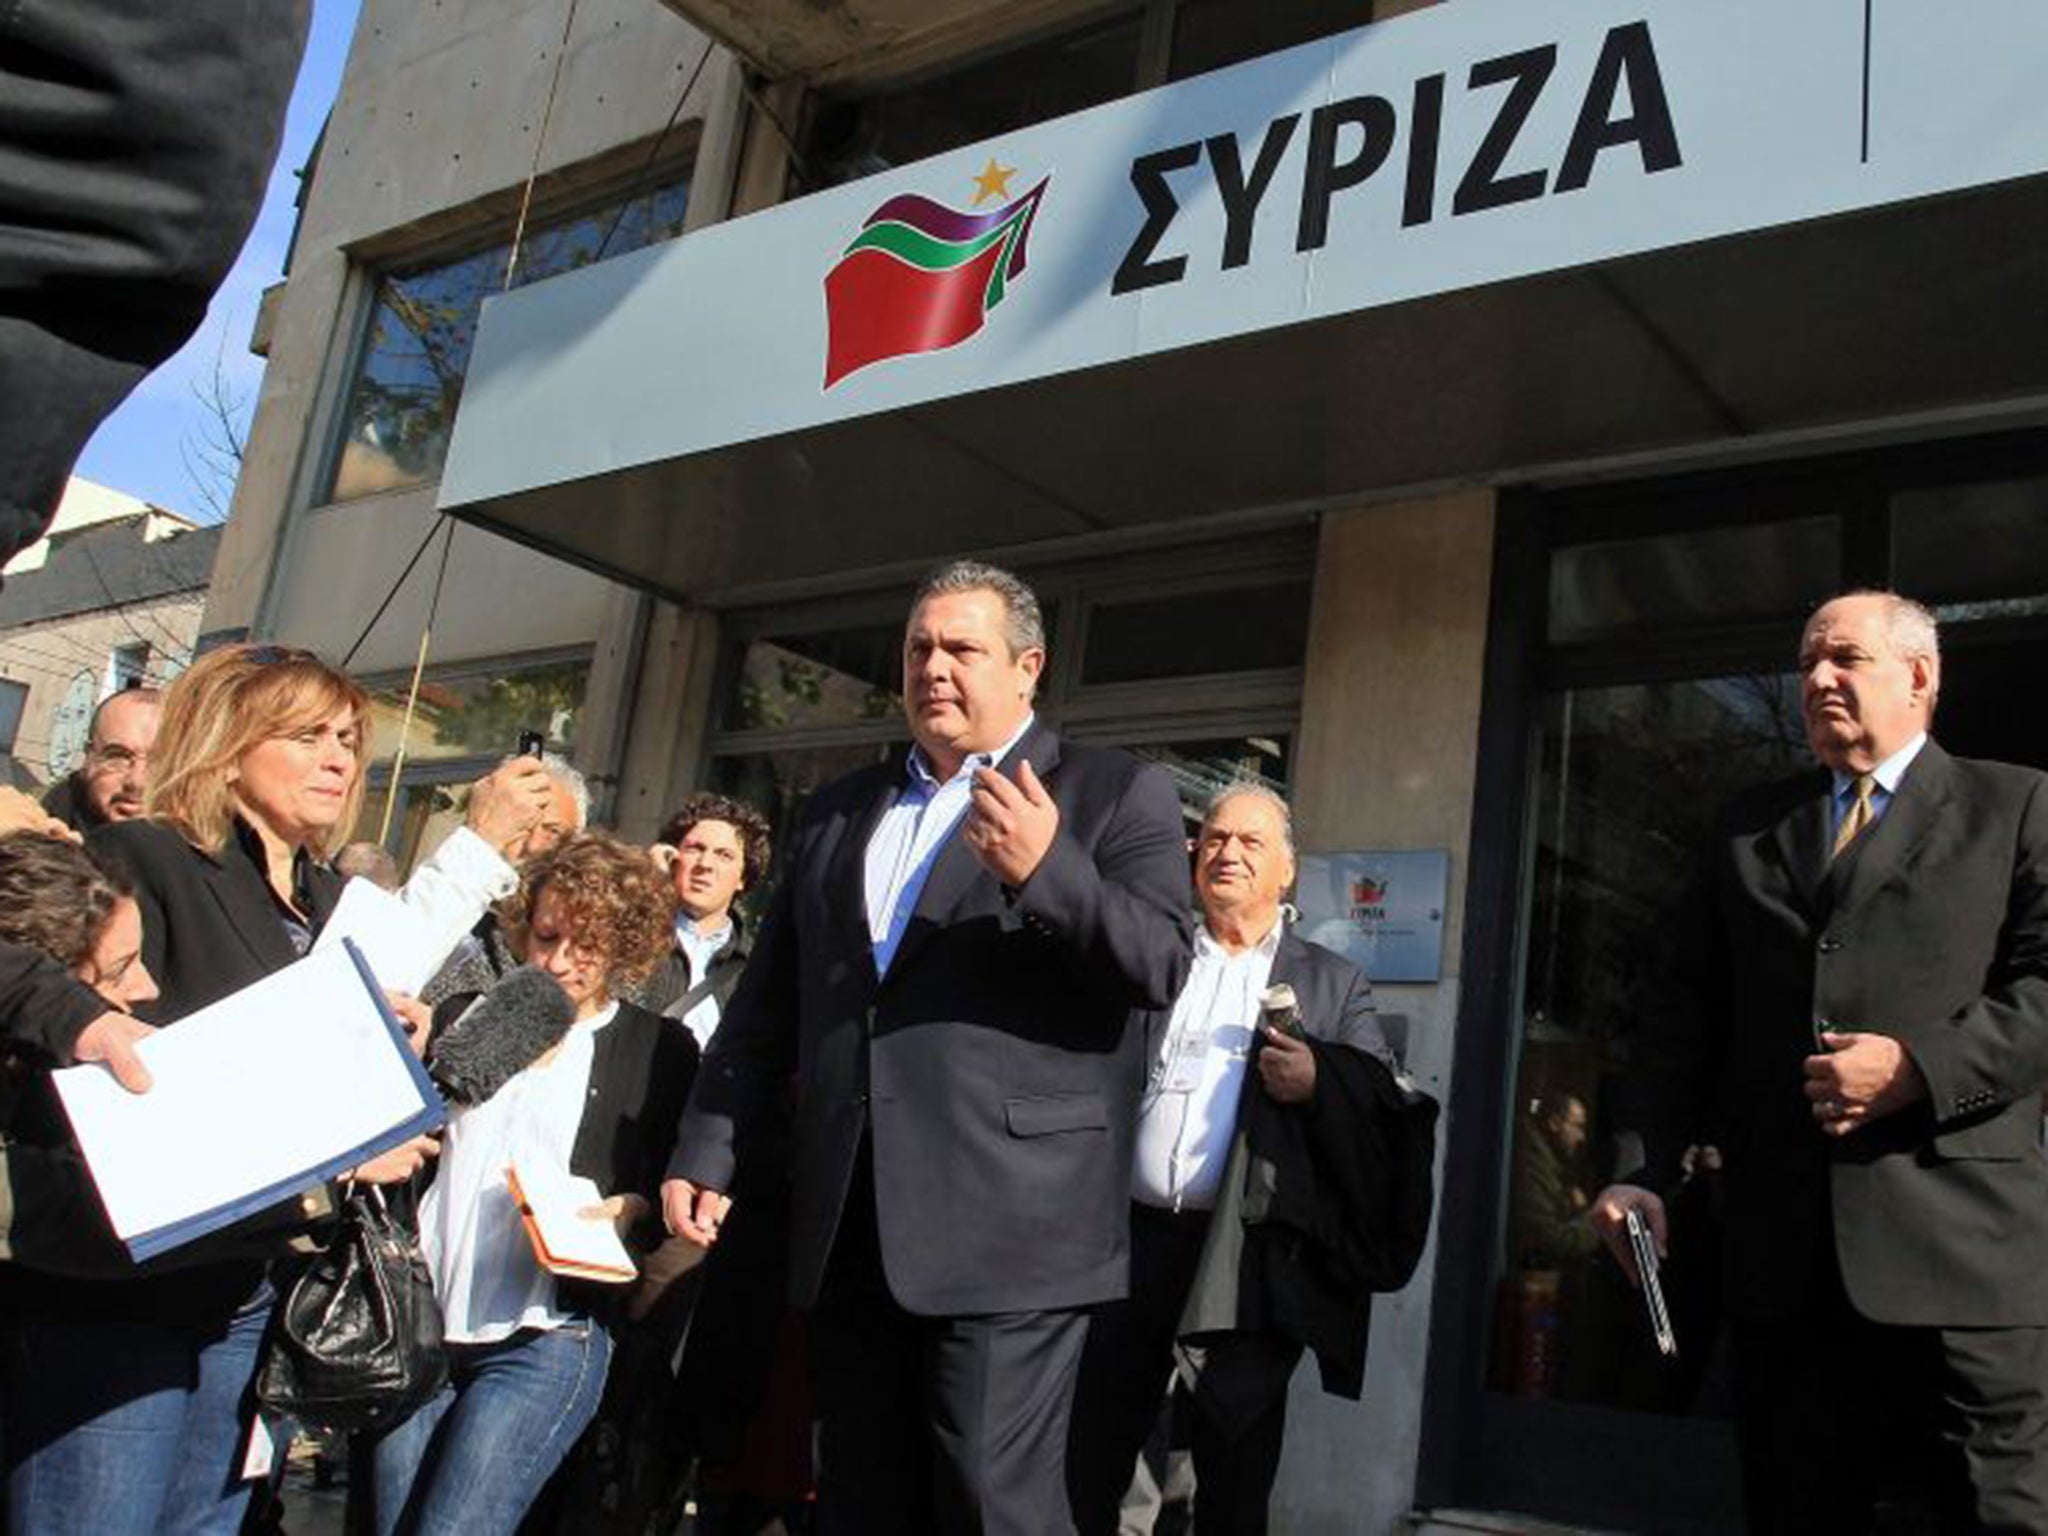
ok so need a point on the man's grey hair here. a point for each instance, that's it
(1023, 624)
(1254, 789)
(1909, 626)
(562, 773)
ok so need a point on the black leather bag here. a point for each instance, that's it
(357, 1341)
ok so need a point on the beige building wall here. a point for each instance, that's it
(1388, 759)
(56, 655)
(438, 125)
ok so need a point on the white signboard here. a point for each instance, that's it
(1381, 910)
(1464, 144)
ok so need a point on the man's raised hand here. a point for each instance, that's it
(1010, 825)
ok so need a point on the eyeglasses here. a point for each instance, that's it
(114, 755)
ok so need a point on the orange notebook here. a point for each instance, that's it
(579, 1247)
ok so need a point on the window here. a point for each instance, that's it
(465, 721)
(1211, 34)
(408, 379)
(854, 136)
(128, 667)
(12, 697)
(809, 694)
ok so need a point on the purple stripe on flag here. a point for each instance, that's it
(941, 222)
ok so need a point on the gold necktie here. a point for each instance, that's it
(1857, 817)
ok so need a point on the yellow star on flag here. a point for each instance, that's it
(994, 181)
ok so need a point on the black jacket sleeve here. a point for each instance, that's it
(43, 1008)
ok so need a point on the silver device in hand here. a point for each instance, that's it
(1653, 1290)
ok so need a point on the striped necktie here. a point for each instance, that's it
(1858, 817)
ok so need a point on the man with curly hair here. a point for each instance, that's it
(715, 849)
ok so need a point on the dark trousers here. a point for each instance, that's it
(1838, 1417)
(934, 1424)
(135, 144)
(1236, 1419)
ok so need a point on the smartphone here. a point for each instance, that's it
(531, 743)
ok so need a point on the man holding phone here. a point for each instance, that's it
(1232, 1034)
(1862, 1031)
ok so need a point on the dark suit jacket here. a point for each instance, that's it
(210, 925)
(995, 1069)
(1933, 928)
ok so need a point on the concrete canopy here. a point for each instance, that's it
(1858, 324)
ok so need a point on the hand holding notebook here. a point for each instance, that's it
(567, 1241)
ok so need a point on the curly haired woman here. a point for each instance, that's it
(528, 1353)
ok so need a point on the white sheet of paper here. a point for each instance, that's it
(266, 1087)
(403, 951)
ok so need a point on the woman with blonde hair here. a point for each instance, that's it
(528, 1353)
(134, 1412)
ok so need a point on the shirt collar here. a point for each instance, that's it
(686, 933)
(921, 773)
(1207, 944)
(1887, 773)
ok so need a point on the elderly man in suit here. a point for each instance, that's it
(950, 970)
(1865, 1038)
(1187, 1230)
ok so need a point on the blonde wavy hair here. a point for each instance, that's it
(228, 701)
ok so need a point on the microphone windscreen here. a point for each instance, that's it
(504, 1032)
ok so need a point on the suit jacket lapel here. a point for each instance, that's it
(846, 872)
(1896, 840)
(1802, 840)
(956, 872)
(237, 885)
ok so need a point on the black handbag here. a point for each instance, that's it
(356, 1343)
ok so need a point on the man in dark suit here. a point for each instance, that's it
(1209, 1062)
(1865, 1040)
(949, 971)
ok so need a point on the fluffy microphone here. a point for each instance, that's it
(503, 1032)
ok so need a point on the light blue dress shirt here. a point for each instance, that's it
(908, 838)
(1887, 774)
(697, 949)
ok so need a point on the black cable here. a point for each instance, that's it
(638, 190)
(640, 187)
(432, 529)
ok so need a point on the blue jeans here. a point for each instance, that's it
(477, 1455)
(117, 1427)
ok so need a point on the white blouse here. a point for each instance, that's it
(489, 1282)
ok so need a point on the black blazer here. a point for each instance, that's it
(1932, 927)
(210, 925)
(994, 1070)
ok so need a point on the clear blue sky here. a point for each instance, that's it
(140, 448)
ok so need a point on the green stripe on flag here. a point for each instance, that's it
(920, 249)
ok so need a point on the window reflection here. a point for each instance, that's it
(834, 677)
(408, 382)
(1630, 780)
(1629, 587)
